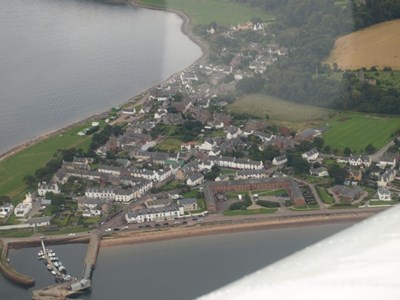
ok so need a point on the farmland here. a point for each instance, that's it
(377, 45)
(357, 130)
(280, 111)
(206, 11)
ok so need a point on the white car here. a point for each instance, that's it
(108, 229)
(72, 234)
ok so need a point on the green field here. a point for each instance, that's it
(357, 130)
(15, 168)
(282, 112)
(170, 145)
(224, 12)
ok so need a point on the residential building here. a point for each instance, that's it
(195, 179)
(188, 204)
(44, 188)
(170, 212)
(279, 160)
(384, 194)
(320, 172)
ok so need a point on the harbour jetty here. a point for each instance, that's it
(75, 286)
(9, 272)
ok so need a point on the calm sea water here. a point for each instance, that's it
(174, 269)
(64, 60)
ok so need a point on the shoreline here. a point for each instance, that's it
(129, 238)
(185, 29)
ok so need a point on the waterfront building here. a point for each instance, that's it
(166, 213)
(189, 204)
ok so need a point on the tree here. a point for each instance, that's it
(338, 173)
(370, 149)
(347, 151)
(318, 143)
(4, 199)
(327, 149)
(30, 181)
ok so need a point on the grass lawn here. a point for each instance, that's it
(305, 208)
(15, 168)
(172, 185)
(250, 212)
(224, 12)
(325, 196)
(18, 233)
(191, 194)
(378, 202)
(280, 111)
(279, 192)
(202, 204)
(170, 145)
(357, 130)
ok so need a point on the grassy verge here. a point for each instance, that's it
(357, 130)
(17, 233)
(281, 112)
(206, 11)
(325, 196)
(250, 212)
(305, 208)
(380, 202)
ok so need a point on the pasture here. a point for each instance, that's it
(357, 130)
(377, 45)
(281, 112)
(224, 12)
(27, 161)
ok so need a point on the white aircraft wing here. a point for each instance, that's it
(361, 262)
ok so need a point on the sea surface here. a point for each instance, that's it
(173, 269)
(64, 60)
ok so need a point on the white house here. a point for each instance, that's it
(205, 165)
(23, 208)
(387, 161)
(170, 212)
(360, 161)
(310, 155)
(112, 170)
(247, 174)
(195, 179)
(384, 194)
(39, 222)
(6, 209)
(279, 160)
(233, 132)
(320, 172)
(100, 193)
(44, 188)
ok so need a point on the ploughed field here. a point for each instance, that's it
(378, 45)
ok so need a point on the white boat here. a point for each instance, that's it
(56, 264)
(40, 253)
(53, 272)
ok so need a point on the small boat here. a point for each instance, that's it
(53, 272)
(56, 264)
(40, 253)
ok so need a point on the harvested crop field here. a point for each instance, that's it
(378, 45)
(280, 111)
